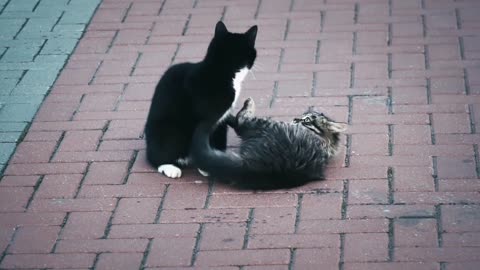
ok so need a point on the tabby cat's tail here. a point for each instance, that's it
(227, 167)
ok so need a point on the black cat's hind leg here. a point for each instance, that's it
(164, 152)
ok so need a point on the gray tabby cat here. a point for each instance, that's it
(273, 154)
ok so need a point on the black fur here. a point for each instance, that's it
(190, 92)
(273, 154)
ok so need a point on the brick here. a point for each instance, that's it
(56, 112)
(223, 236)
(389, 211)
(435, 198)
(136, 210)
(101, 245)
(243, 257)
(102, 173)
(19, 181)
(176, 253)
(414, 179)
(98, 102)
(366, 247)
(33, 152)
(86, 225)
(312, 258)
(411, 134)
(273, 220)
(391, 265)
(247, 200)
(92, 156)
(45, 238)
(467, 239)
(124, 231)
(59, 186)
(458, 185)
(293, 241)
(451, 123)
(68, 125)
(367, 191)
(452, 85)
(48, 261)
(12, 219)
(343, 226)
(321, 206)
(370, 144)
(409, 95)
(14, 199)
(80, 140)
(40, 136)
(383, 161)
(446, 254)
(415, 232)
(456, 167)
(460, 218)
(76, 76)
(408, 61)
(119, 261)
(70, 205)
(120, 191)
(185, 196)
(204, 215)
(122, 145)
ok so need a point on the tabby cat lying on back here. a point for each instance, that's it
(191, 92)
(273, 154)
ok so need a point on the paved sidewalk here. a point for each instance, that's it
(403, 193)
(36, 38)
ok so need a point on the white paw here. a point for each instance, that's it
(204, 173)
(170, 170)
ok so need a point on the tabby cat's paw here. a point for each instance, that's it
(170, 170)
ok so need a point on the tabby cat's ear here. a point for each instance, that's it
(251, 35)
(220, 29)
(338, 127)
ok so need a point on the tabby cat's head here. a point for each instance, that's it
(232, 50)
(320, 123)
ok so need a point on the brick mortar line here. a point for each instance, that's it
(60, 233)
(57, 146)
(130, 164)
(10, 243)
(224, 11)
(390, 139)
(161, 8)
(139, 56)
(391, 185)
(298, 210)
(443, 265)
(248, 227)
(196, 247)
(143, 262)
(389, 100)
(124, 17)
(82, 180)
(322, 20)
(58, 20)
(119, 99)
(391, 240)
(341, 259)
(187, 23)
(162, 202)
(290, 8)
(428, 89)
(211, 187)
(35, 189)
(432, 131)
(21, 28)
(35, 6)
(422, 17)
(106, 232)
(314, 84)
(345, 191)
(477, 160)
(471, 118)
(114, 38)
(147, 40)
(435, 173)
(291, 262)
(104, 130)
(39, 50)
(90, 82)
(466, 82)
(389, 65)
(4, 6)
(317, 52)
(259, 5)
(82, 97)
(95, 261)
(438, 217)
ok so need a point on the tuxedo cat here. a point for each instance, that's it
(273, 154)
(192, 92)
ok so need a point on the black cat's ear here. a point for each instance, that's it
(252, 35)
(220, 29)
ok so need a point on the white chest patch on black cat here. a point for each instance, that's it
(237, 82)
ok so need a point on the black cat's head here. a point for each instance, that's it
(232, 50)
(320, 123)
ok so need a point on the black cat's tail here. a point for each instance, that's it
(229, 168)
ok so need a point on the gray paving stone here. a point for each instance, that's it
(59, 46)
(6, 150)
(6, 86)
(20, 54)
(21, 5)
(38, 78)
(10, 27)
(18, 112)
(12, 126)
(34, 99)
(23, 90)
(9, 137)
(11, 74)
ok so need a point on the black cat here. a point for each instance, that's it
(272, 154)
(191, 92)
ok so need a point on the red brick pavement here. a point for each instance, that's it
(403, 194)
